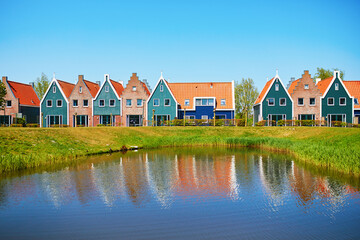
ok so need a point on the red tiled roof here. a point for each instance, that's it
(262, 94)
(146, 88)
(354, 89)
(66, 87)
(292, 86)
(118, 87)
(25, 93)
(219, 90)
(93, 87)
(323, 84)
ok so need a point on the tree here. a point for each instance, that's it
(245, 96)
(2, 95)
(41, 85)
(326, 73)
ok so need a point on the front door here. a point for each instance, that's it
(81, 120)
(274, 118)
(161, 119)
(335, 118)
(133, 120)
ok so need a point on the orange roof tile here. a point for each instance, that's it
(93, 87)
(323, 84)
(146, 88)
(262, 94)
(118, 87)
(292, 86)
(219, 90)
(66, 87)
(25, 93)
(354, 89)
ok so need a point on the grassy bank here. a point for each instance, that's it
(21, 148)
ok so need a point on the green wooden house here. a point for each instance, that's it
(107, 103)
(54, 106)
(274, 103)
(161, 105)
(336, 102)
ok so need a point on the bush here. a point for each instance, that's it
(281, 123)
(240, 122)
(32, 125)
(16, 125)
(338, 124)
(19, 121)
(261, 123)
(59, 126)
(100, 125)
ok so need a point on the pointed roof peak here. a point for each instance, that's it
(161, 76)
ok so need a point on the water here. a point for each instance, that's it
(210, 193)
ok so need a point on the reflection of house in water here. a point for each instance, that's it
(14, 190)
(246, 171)
(206, 176)
(273, 175)
(84, 183)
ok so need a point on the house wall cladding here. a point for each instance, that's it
(10, 111)
(32, 114)
(312, 92)
(54, 110)
(277, 109)
(129, 93)
(106, 110)
(161, 109)
(336, 108)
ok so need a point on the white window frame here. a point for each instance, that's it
(336, 87)
(134, 88)
(306, 86)
(328, 101)
(154, 102)
(137, 102)
(60, 101)
(344, 104)
(268, 100)
(204, 117)
(187, 102)
(87, 103)
(54, 89)
(80, 89)
(7, 101)
(127, 105)
(280, 102)
(77, 103)
(106, 88)
(222, 102)
(165, 102)
(47, 103)
(277, 87)
(189, 117)
(110, 103)
(302, 101)
(310, 102)
(100, 102)
(161, 88)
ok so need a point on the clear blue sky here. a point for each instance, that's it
(187, 40)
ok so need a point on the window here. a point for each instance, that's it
(128, 102)
(85, 103)
(8, 103)
(167, 102)
(300, 101)
(112, 102)
(356, 101)
(139, 102)
(276, 87)
(75, 103)
(211, 102)
(187, 102)
(330, 101)
(189, 117)
(198, 102)
(156, 102)
(336, 86)
(306, 86)
(101, 103)
(134, 88)
(282, 101)
(54, 89)
(271, 102)
(312, 101)
(342, 101)
(161, 88)
(80, 89)
(223, 102)
(59, 103)
(49, 103)
(205, 117)
(204, 102)
(106, 88)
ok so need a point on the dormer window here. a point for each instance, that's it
(134, 88)
(222, 102)
(276, 87)
(306, 86)
(80, 89)
(187, 102)
(161, 88)
(54, 89)
(336, 86)
(356, 101)
(106, 88)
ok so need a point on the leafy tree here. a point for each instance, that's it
(245, 96)
(326, 73)
(2, 95)
(41, 85)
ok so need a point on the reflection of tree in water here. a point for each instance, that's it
(246, 165)
(162, 175)
(273, 174)
(3, 192)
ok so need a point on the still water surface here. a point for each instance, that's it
(211, 193)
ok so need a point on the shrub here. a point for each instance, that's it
(338, 124)
(260, 123)
(16, 125)
(19, 121)
(32, 125)
(281, 123)
(240, 122)
(59, 126)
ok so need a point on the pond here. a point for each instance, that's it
(188, 193)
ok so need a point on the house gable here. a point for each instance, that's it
(107, 92)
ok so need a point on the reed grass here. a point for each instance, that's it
(23, 148)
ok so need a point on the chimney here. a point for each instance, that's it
(291, 81)
(122, 82)
(80, 78)
(98, 83)
(106, 77)
(147, 84)
(32, 84)
(4, 79)
(317, 80)
(134, 74)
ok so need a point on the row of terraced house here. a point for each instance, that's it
(111, 103)
(327, 101)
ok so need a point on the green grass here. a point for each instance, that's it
(22, 148)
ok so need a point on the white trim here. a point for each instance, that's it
(282, 105)
(154, 102)
(340, 80)
(141, 102)
(126, 105)
(268, 102)
(340, 101)
(169, 102)
(57, 102)
(99, 103)
(114, 103)
(48, 101)
(112, 87)
(61, 91)
(327, 102)
(302, 101)
(107, 89)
